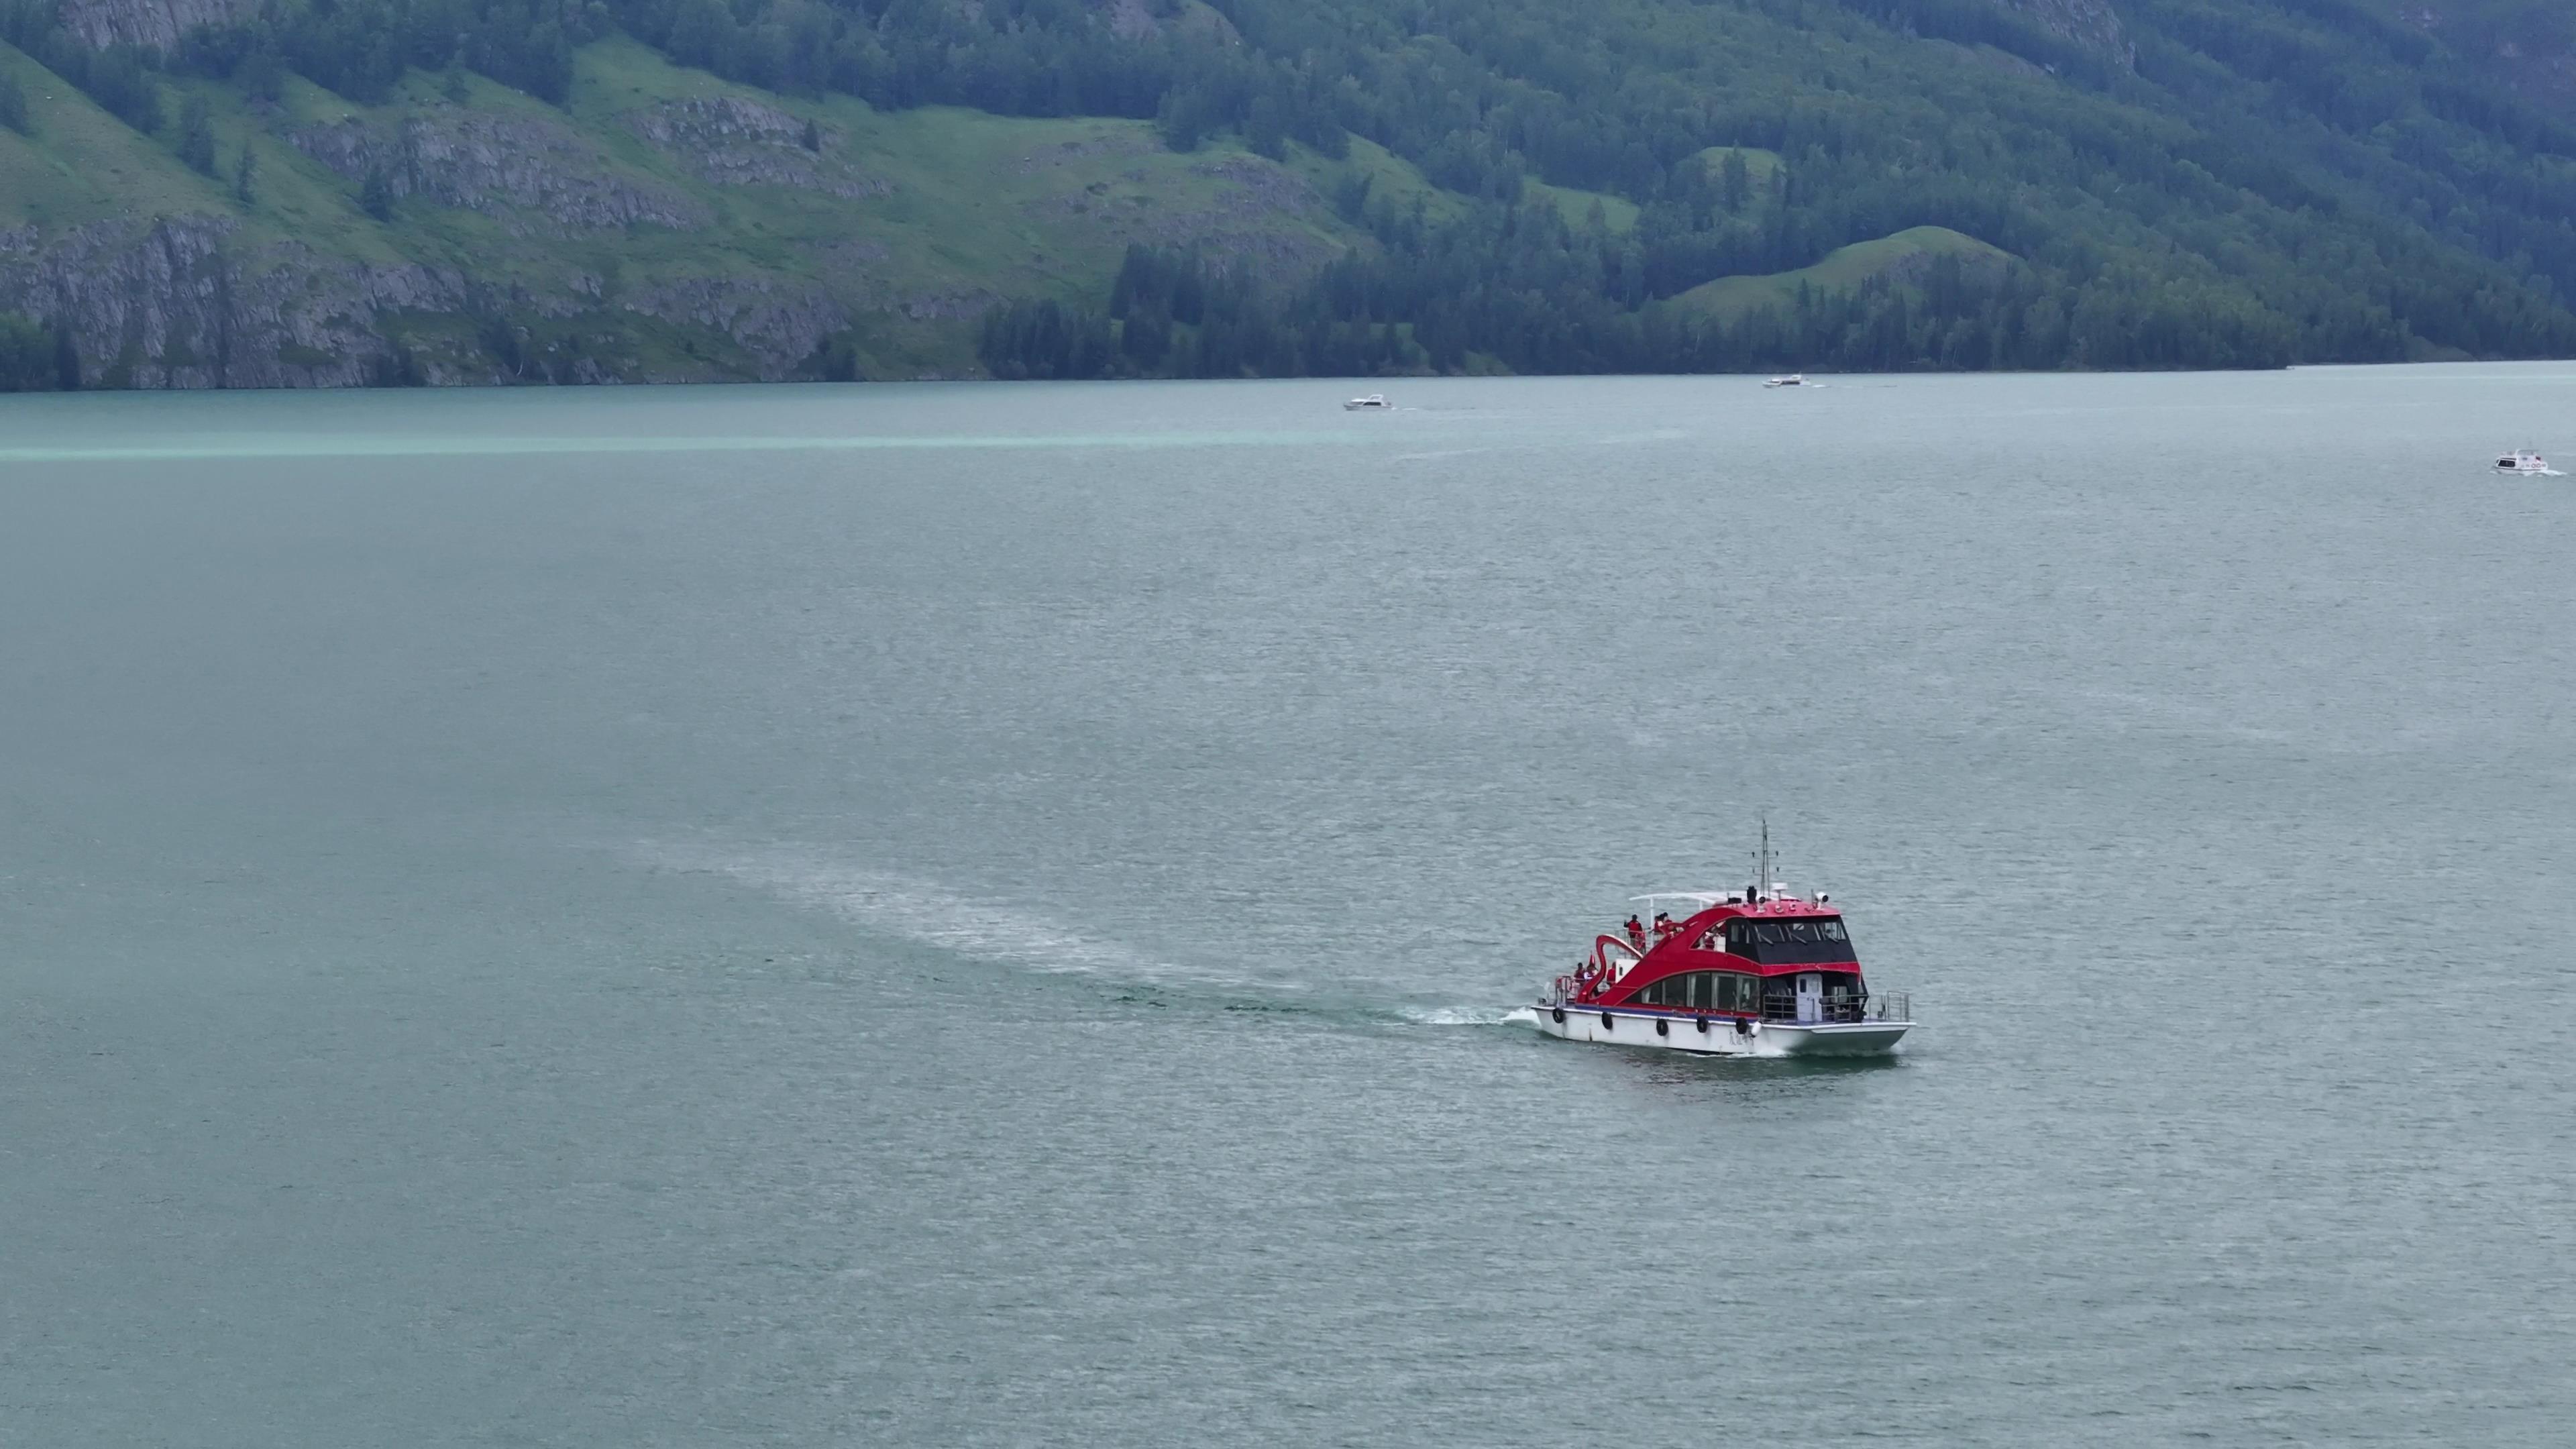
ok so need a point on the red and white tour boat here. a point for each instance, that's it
(1758, 972)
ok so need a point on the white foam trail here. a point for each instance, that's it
(1463, 1015)
(932, 915)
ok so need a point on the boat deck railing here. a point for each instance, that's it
(1783, 1007)
(1879, 1006)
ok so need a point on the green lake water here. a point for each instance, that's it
(964, 915)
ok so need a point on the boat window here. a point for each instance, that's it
(1789, 943)
(1707, 991)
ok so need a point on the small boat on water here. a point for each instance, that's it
(1757, 972)
(1787, 379)
(1374, 403)
(2526, 464)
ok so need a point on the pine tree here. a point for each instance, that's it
(1735, 180)
(67, 363)
(197, 136)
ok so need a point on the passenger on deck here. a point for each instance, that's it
(1636, 933)
(1664, 925)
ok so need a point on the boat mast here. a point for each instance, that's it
(1762, 864)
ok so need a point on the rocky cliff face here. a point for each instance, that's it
(533, 175)
(148, 22)
(2092, 24)
(779, 324)
(735, 142)
(173, 302)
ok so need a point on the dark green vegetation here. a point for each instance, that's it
(35, 359)
(1330, 186)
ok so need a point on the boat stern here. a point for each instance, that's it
(1831, 1039)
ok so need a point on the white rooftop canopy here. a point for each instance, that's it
(1705, 899)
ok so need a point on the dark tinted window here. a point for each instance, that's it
(1789, 943)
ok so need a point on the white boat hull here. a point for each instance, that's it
(1682, 1032)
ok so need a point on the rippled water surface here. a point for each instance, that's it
(986, 915)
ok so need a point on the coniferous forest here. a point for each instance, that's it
(2146, 184)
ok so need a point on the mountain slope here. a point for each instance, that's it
(462, 190)
(661, 224)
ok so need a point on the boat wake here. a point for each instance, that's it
(979, 928)
(931, 915)
(1464, 1015)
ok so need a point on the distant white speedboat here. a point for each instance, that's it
(2528, 465)
(1374, 403)
(1788, 379)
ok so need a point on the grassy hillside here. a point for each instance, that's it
(1900, 258)
(885, 240)
(463, 190)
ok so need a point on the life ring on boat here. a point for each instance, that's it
(1559, 1014)
(1607, 1024)
(1663, 1027)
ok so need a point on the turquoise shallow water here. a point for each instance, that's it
(984, 915)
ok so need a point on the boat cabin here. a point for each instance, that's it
(1752, 955)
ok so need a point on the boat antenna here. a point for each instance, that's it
(1762, 863)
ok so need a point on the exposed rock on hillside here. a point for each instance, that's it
(520, 169)
(2532, 48)
(2092, 24)
(780, 324)
(735, 142)
(1047, 158)
(1256, 206)
(1253, 216)
(148, 22)
(170, 303)
(1146, 19)
(175, 303)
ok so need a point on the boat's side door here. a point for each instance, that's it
(1811, 997)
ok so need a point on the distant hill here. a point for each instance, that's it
(337, 192)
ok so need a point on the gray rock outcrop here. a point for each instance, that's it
(148, 22)
(778, 323)
(2092, 24)
(530, 174)
(173, 302)
(730, 141)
